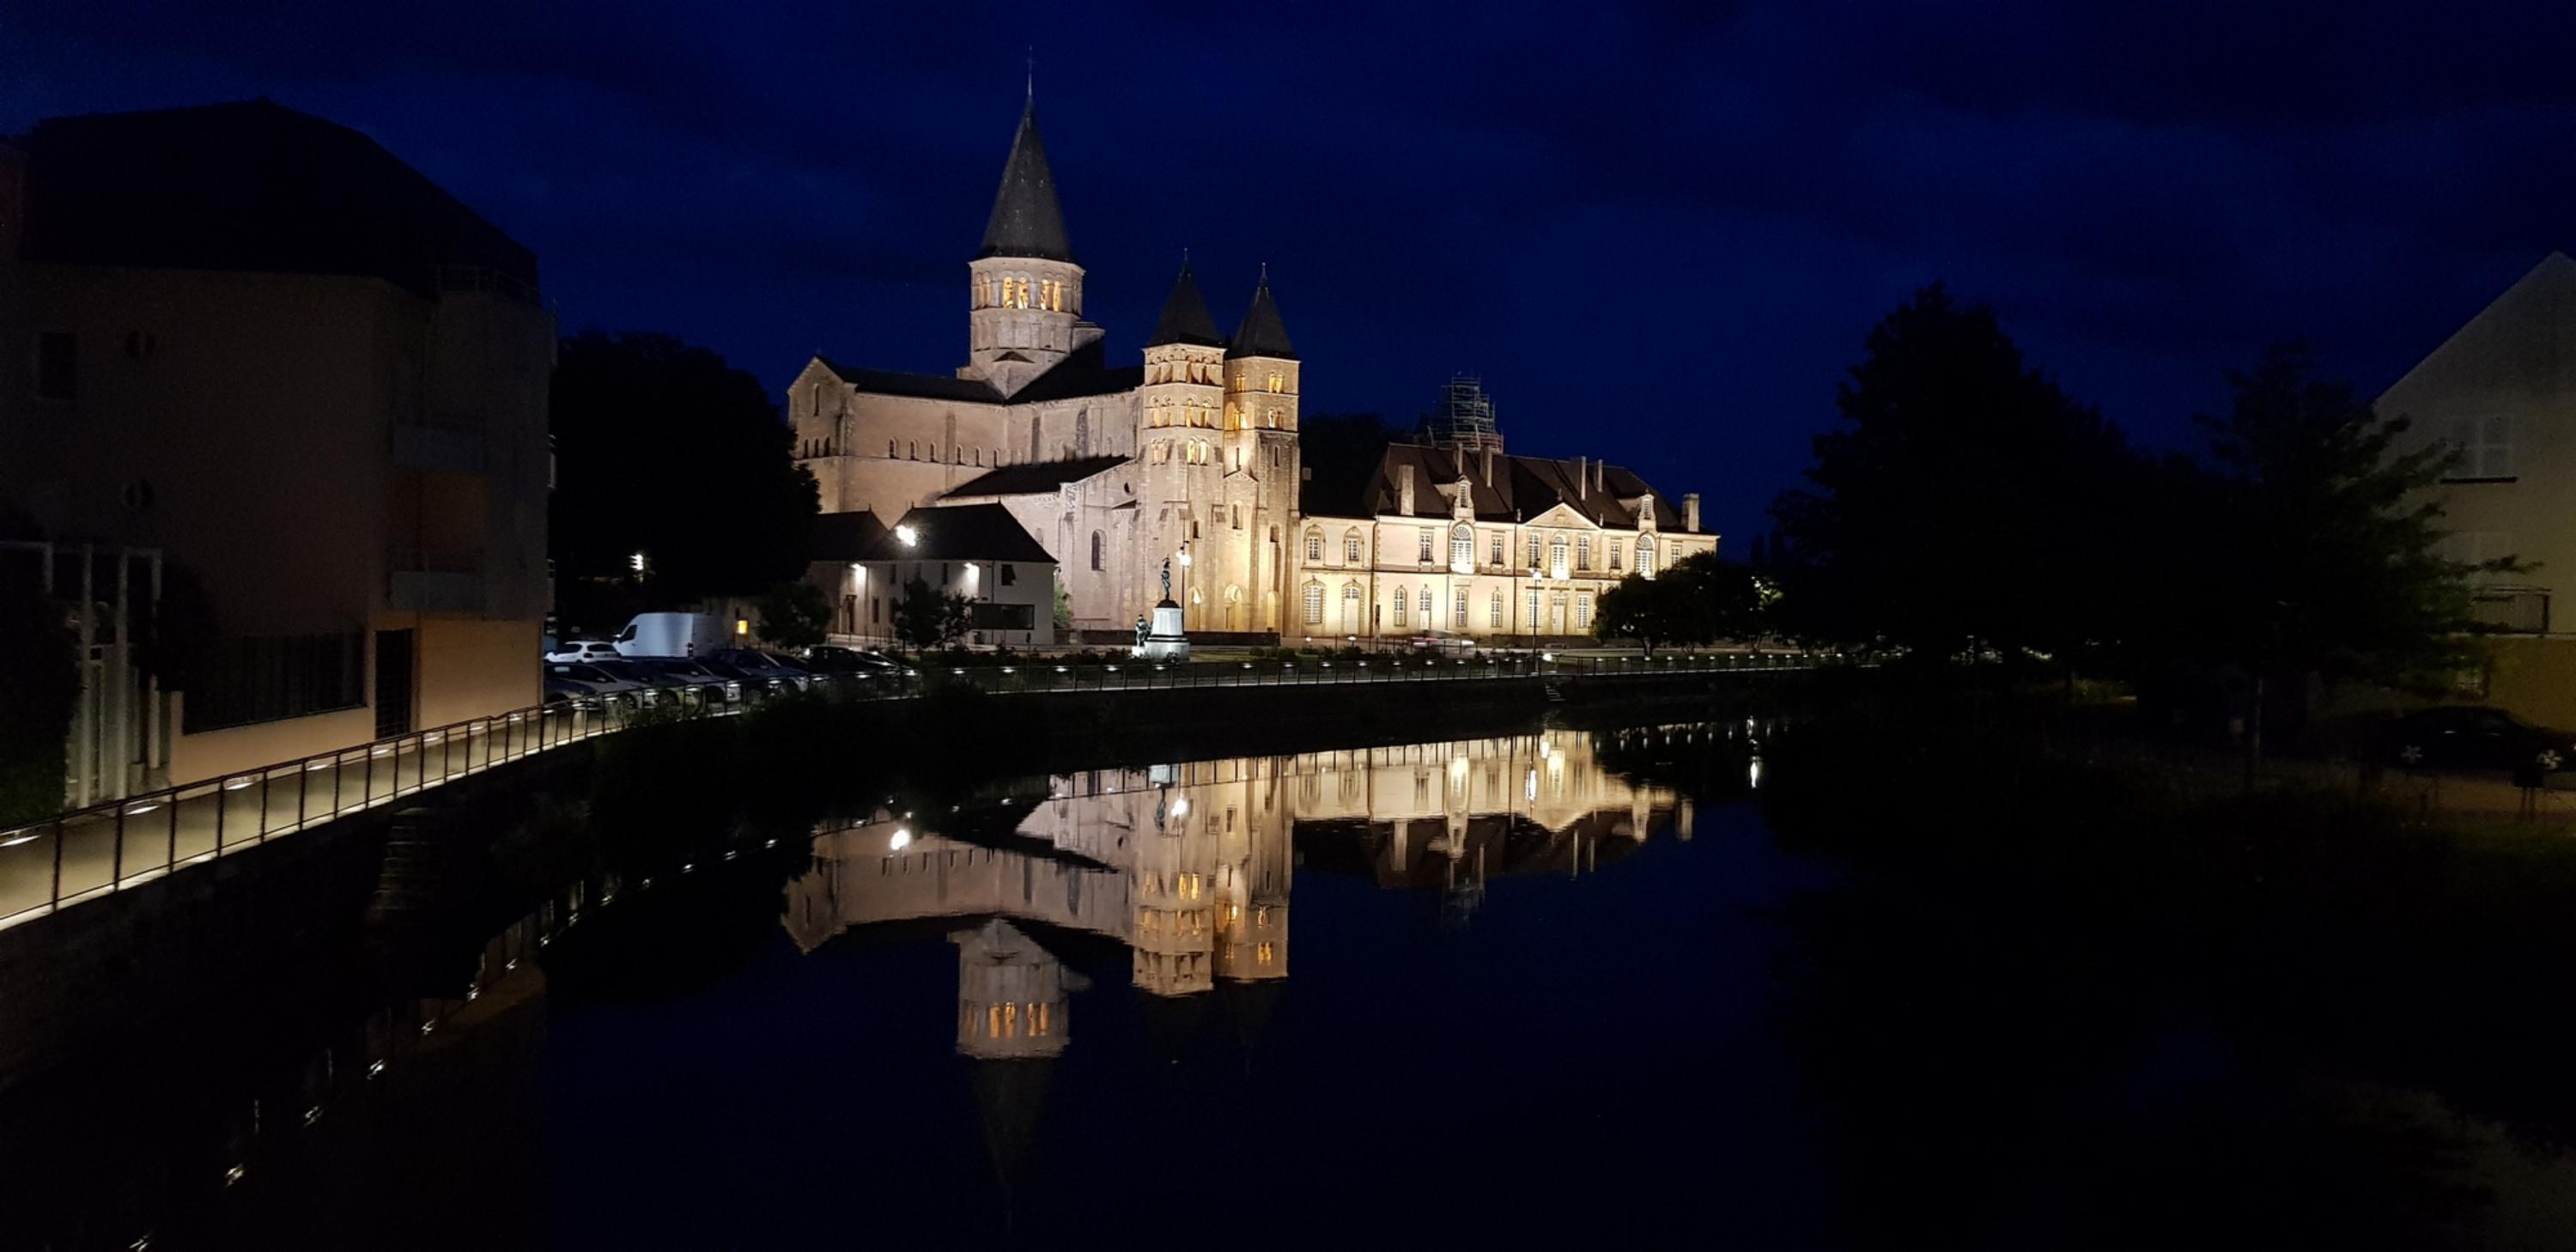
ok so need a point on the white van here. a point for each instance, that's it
(674, 634)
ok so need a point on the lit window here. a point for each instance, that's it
(1458, 612)
(1351, 548)
(1583, 612)
(1583, 552)
(1399, 606)
(1533, 547)
(1264, 953)
(1278, 382)
(1038, 1023)
(1497, 547)
(1462, 549)
(1429, 607)
(1423, 549)
(1646, 555)
(1315, 545)
(1315, 603)
(1494, 612)
(1614, 554)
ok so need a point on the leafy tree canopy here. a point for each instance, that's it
(663, 448)
(794, 615)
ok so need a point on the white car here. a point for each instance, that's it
(584, 650)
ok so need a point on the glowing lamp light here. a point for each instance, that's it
(902, 839)
(742, 626)
(1181, 807)
(906, 536)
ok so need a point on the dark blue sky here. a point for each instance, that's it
(1659, 231)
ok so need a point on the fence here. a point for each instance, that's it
(87, 853)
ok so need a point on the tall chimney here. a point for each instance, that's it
(1690, 511)
(1601, 475)
(1404, 490)
(1489, 465)
(1582, 478)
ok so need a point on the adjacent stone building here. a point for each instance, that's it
(279, 402)
(2501, 390)
(1192, 458)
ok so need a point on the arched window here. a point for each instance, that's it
(1462, 550)
(1098, 550)
(1646, 555)
(1314, 604)
(1315, 546)
(1351, 548)
(979, 456)
(912, 450)
(1556, 556)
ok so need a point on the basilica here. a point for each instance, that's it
(1187, 462)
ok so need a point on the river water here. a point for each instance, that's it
(1537, 989)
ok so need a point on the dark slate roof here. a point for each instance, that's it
(924, 386)
(1034, 478)
(1083, 372)
(961, 532)
(1522, 488)
(250, 186)
(1262, 333)
(1185, 316)
(1026, 220)
(845, 536)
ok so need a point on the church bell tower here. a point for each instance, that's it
(1025, 293)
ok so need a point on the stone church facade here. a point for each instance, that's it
(1191, 458)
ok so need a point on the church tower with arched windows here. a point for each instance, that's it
(1177, 443)
(1025, 290)
(1259, 453)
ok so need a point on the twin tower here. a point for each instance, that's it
(1216, 418)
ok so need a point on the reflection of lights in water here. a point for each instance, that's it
(1529, 786)
(1753, 773)
(902, 839)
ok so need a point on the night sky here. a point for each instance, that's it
(1658, 231)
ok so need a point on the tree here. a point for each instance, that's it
(1700, 599)
(2320, 554)
(1964, 500)
(664, 449)
(794, 615)
(39, 688)
(928, 618)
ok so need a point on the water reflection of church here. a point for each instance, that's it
(1189, 866)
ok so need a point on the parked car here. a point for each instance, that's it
(673, 634)
(1448, 645)
(584, 650)
(571, 691)
(750, 681)
(758, 665)
(656, 681)
(2476, 738)
(601, 682)
(832, 659)
(712, 688)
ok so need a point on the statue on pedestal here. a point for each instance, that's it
(1167, 580)
(1140, 632)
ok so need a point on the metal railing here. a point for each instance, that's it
(88, 853)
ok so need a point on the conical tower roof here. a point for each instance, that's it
(1026, 220)
(1185, 316)
(1262, 333)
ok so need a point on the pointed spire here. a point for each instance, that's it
(1026, 220)
(1185, 314)
(1262, 333)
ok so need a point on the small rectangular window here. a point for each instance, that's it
(57, 365)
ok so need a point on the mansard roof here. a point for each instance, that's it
(1262, 333)
(1185, 316)
(1521, 488)
(920, 386)
(961, 532)
(1033, 478)
(1026, 220)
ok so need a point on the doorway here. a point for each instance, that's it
(394, 682)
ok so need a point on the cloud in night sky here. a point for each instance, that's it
(1658, 230)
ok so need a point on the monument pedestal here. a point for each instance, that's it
(1164, 641)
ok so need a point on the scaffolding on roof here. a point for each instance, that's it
(1465, 416)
